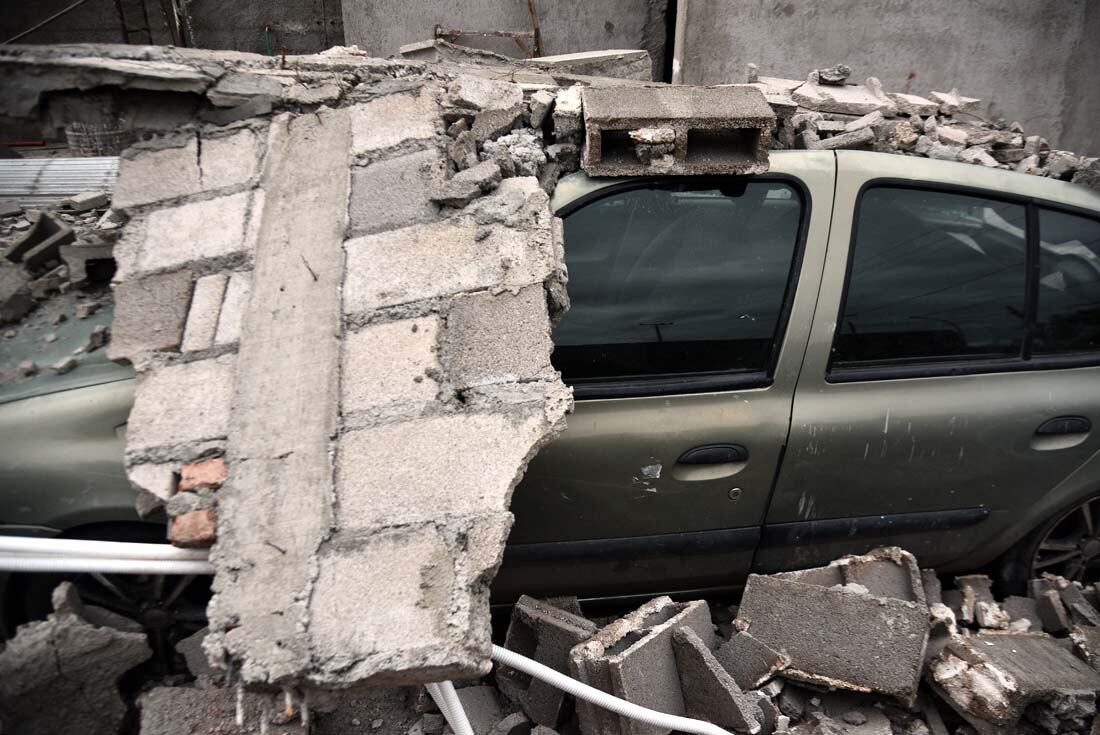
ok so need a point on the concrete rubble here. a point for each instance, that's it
(67, 659)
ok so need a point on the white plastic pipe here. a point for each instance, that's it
(603, 699)
(51, 563)
(449, 704)
(97, 549)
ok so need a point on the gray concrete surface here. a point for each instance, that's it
(382, 27)
(1034, 61)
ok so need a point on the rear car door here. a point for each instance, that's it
(691, 301)
(958, 329)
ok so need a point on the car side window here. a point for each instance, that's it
(667, 281)
(934, 276)
(1068, 313)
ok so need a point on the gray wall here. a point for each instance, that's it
(382, 26)
(297, 26)
(1036, 61)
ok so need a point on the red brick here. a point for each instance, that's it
(210, 473)
(194, 530)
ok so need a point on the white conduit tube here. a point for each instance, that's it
(50, 563)
(603, 699)
(447, 700)
(23, 554)
(97, 549)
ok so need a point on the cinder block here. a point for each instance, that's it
(471, 466)
(232, 309)
(997, 677)
(497, 338)
(186, 233)
(396, 118)
(395, 192)
(848, 99)
(142, 175)
(716, 130)
(857, 641)
(202, 317)
(440, 259)
(545, 633)
(229, 160)
(181, 404)
(633, 658)
(710, 693)
(150, 313)
(885, 572)
(750, 662)
(392, 363)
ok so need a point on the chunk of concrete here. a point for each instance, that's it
(975, 588)
(933, 588)
(952, 103)
(394, 192)
(750, 662)
(187, 711)
(391, 120)
(633, 658)
(1022, 609)
(491, 124)
(848, 99)
(997, 678)
(159, 419)
(88, 200)
(615, 63)
(717, 130)
(568, 107)
(858, 641)
(467, 185)
(60, 675)
(710, 693)
(202, 317)
(479, 93)
(497, 338)
(482, 708)
(77, 257)
(546, 634)
(885, 572)
(150, 314)
(15, 293)
(41, 244)
(541, 103)
(1051, 610)
(911, 104)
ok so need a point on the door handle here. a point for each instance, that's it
(715, 454)
(1061, 432)
(1065, 425)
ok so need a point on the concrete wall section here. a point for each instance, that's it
(1034, 61)
(382, 26)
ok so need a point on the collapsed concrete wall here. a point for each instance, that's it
(342, 370)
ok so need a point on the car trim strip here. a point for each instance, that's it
(797, 533)
(688, 543)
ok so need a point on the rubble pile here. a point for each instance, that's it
(57, 263)
(825, 112)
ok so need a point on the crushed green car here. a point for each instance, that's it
(853, 350)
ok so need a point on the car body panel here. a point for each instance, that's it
(940, 443)
(613, 474)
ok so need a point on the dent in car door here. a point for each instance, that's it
(683, 343)
(917, 419)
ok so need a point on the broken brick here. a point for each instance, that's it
(194, 530)
(207, 473)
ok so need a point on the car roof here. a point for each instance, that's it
(874, 165)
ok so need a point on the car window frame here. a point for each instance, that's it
(1023, 362)
(688, 383)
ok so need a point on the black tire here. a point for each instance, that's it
(1067, 544)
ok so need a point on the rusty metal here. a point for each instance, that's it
(449, 34)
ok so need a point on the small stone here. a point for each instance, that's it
(26, 369)
(64, 365)
(952, 135)
(376, 724)
(61, 317)
(99, 337)
(9, 334)
(1062, 165)
(978, 155)
(834, 74)
(50, 338)
(85, 309)
(854, 717)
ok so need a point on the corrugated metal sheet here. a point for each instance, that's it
(46, 181)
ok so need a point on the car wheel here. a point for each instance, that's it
(1068, 545)
(167, 607)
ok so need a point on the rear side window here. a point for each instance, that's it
(934, 276)
(1068, 314)
(668, 282)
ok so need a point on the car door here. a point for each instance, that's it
(691, 301)
(955, 334)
